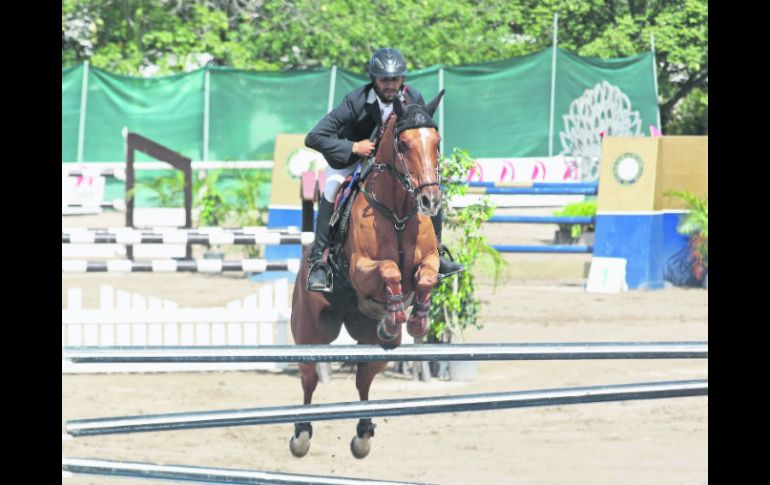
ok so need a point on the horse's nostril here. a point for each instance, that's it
(425, 201)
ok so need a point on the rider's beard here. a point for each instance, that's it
(387, 96)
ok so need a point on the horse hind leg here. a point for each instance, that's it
(330, 323)
(299, 444)
(310, 375)
(360, 445)
(312, 323)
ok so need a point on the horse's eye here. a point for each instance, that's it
(402, 147)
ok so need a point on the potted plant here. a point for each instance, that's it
(158, 199)
(695, 224)
(248, 202)
(571, 233)
(210, 204)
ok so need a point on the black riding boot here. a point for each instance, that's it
(320, 276)
(446, 267)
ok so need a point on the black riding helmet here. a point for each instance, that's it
(387, 62)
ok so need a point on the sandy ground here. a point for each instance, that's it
(540, 299)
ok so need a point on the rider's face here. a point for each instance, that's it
(387, 87)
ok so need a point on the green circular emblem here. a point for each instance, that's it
(627, 168)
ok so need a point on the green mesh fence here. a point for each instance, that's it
(590, 93)
(496, 109)
(71, 85)
(499, 109)
(248, 109)
(167, 110)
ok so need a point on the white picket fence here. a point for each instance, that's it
(131, 319)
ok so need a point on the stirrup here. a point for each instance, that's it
(445, 250)
(328, 286)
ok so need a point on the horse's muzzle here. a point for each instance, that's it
(429, 201)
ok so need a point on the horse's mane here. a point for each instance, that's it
(388, 125)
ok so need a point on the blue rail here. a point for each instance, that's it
(563, 248)
(544, 219)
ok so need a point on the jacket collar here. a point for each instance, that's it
(371, 98)
(372, 107)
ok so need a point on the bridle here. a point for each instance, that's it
(409, 185)
(404, 178)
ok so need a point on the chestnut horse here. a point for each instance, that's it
(392, 255)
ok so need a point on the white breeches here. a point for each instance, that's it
(334, 178)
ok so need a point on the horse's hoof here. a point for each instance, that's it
(300, 445)
(417, 327)
(360, 447)
(383, 334)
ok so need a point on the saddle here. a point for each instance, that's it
(343, 296)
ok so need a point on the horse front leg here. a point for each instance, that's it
(375, 281)
(425, 279)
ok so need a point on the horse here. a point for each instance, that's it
(391, 256)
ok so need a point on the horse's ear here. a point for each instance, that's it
(398, 108)
(431, 107)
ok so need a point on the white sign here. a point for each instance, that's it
(607, 275)
(82, 190)
(532, 169)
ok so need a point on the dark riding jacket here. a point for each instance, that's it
(354, 119)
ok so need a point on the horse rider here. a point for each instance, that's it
(345, 135)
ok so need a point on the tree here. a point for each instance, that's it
(609, 28)
(149, 37)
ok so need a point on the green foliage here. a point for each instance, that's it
(586, 208)
(210, 199)
(166, 190)
(136, 36)
(245, 202)
(127, 36)
(691, 115)
(695, 224)
(454, 306)
(223, 197)
(231, 197)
